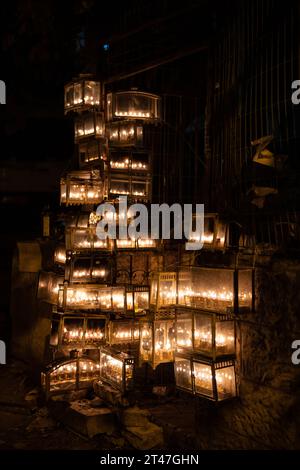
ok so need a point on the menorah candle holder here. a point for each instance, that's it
(215, 232)
(137, 105)
(209, 333)
(81, 187)
(222, 290)
(213, 380)
(125, 134)
(122, 332)
(89, 124)
(81, 94)
(91, 151)
(78, 332)
(73, 374)
(117, 369)
(93, 268)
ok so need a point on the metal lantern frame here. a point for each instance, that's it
(112, 113)
(217, 237)
(86, 180)
(82, 121)
(127, 361)
(77, 87)
(85, 240)
(92, 152)
(175, 293)
(190, 359)
(83, 343)
(90, 274)
(132, 327)
(98, 303)
(68, 384)
(214, 319)
(125, 134)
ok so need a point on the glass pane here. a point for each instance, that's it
(111, 369)
(245, 289)
(95, 331)
(225, 379)
(119, 187)
(89, 124)
(105, 300)
(78, 93)
(121, 332)
(99, 124)
(164, 341)
(60, 255)
(207, 289)
(184, 331)
(203, 379)
(146, 346)
(72, 331)
(69, 96)
(225, 343)
(167, 289)
(141, 301)
(91, 92)
(140, 161)
(139, 188)
(88, 371)
(135, 105)
(118, 298)
(153, 291)
(63, 377)
(183, 373)
(221, 234)
(203, 333)
(82, 297)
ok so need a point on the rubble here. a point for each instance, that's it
(83, 418)
(144, 437)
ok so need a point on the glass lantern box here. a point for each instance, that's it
(84, 240)
(82, 94)
(223, 290)
(116, 369)
(124, 134)
(89, 125)
(78, 332)
(91, 151)
(208, 333)
(157, 341)
(135, 187)
(91, 297)
(135, 162)
(89, 269)
(123, 332)
(215, 232)
(139, 244)
(132, 105)
(48, 287)
(214, 380)
(163, 290)
(73, 374)
(183, 372)
(81, 187)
